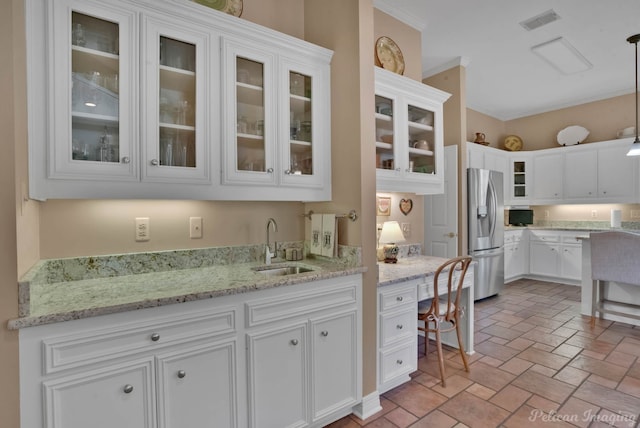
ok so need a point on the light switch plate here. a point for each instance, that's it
(142, 229)
(195, 227)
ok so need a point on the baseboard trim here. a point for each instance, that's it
(369, 406)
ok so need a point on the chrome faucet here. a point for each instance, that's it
(267, 253)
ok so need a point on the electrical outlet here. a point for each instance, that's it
(406, 229)
(142, 229)
(546, 213)
(634, 214)
(594, 213)
(195, 227)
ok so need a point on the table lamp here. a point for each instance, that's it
(391, 234)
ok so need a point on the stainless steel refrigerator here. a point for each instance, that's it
(485, 204)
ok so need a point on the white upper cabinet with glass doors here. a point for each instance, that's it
(172, 100)
(277, 123)
(409, 135)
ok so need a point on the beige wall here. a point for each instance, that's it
(415, 218)
(602, 118)
(407, 38)
(10, 116)
(453, 81)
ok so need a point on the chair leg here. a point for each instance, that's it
(461, 347)
(426, 339)
(594, 298)
(440, 356)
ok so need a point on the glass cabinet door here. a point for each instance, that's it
(300, 125)
(175, 93)
(385, 158)
(421, 141)
(92, 120)
(249, 112)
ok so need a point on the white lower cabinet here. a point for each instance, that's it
(303, 365)
(181, 366)
(516, 250)
(397, 332)
(556, 256)
(117, 396)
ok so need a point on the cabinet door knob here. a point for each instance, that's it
(324, 333)
(128, 389)
(294, 342)
(155, 337)
(399, 326)
(181, 374)
(126, 159)
(270, 170)
(155, 162)
(288, 172)
(399, 362)
(398, 169)
(399, 299)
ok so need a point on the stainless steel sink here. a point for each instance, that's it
(281, 270)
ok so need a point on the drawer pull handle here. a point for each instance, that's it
(325, 333)
(399, 298)
(155, 162)
(294, 342)
(399, 362)
(128, 389)
(399, 326)
(155, 337)
(181, 374)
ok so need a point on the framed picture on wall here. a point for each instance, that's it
(383, 205)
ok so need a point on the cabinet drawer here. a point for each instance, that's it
(398, 361)
(573, 239)
(391, 296)
(545, 236)
(397, 326)
(291, 305)
(89, 347)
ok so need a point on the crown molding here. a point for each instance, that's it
(391, 8)
(461, 61)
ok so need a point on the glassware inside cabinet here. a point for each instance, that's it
(250, 125)
(421, 141)
(95, 101)
(384, 133)
(177, 106)
(300, 124)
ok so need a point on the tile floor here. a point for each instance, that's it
(537, 363)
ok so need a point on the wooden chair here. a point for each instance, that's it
(444, 310)
(614, 258)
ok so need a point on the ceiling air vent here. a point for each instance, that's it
(539, 20)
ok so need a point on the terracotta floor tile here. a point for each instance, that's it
(488, 376)
(630, 385)
(523, 326)
(416, 398)
(401, 417)
(567, 350)
(503, 332)
(544, 337)
(620, 359)
(543, 370)
(435, 419)
(481, 391)
(601, 368)
(547, 359)
(510, 398)
(496, 351)
(543, 404)
(564, 332)
(455, 384)
(544, 386)
(473, 411)
(615, 401)
(516, 365)
(491, 361)
(578, 412)
(607, 419)
(520, 344)
(629, 346)
(571, 375)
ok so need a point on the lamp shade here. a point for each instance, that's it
(391, 233)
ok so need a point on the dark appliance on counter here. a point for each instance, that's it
(520, 217)
(486, 230)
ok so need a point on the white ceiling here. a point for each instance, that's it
(505, 79)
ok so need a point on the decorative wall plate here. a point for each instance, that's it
(513, 143)
(232, 7)
(389, 56)
(572, 135)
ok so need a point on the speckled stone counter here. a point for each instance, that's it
(407, 268)
(66, 289)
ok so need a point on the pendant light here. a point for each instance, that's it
(634, 150)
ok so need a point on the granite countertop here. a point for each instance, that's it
(66, 289)
(407, 268)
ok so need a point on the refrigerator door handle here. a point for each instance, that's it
(493, 208)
